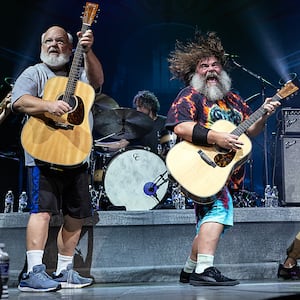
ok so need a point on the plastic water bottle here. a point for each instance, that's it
(9, 202)
(275, 196)
(268, 196)
(4, 271)
(0, 286)
(22, 202)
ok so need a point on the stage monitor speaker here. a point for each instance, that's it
(291, 169)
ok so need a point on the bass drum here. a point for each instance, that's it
(136, 178)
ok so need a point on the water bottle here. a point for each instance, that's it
(9, 202)
(4, 271)
(268, 196)
(22, 202)
(0, 286)
(275, 196)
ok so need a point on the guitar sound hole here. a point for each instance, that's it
(223, 160)
(71, 101)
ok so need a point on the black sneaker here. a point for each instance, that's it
(184, 277)
(211, 276)
(288, 273)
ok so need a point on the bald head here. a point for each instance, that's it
(56, 47)
(57, 30)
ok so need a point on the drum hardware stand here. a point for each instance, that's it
(250, 163)
(264, 82)
(94, 194)
(97, 195)
(92, 165)
(159, 146)
(150, 188)
(178, 197)
(244, 198)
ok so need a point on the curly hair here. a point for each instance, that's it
(148, 100)
(184, 59)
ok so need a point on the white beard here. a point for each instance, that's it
(54, 61)
(214, 92)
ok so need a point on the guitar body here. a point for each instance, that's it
(66, 140)
(196, 176)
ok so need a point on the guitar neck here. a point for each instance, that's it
(288, 90)
(75, 68)
(90, 13)
(242, 128)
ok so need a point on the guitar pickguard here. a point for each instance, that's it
(76, 117)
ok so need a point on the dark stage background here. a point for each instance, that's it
(133, 39)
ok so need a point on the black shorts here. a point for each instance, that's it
(60, 190)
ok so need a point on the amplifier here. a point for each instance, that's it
(291, 120)
(291, 168)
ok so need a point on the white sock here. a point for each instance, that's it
(204, 261)
(62, 262)
(34, 257)
(189, 266)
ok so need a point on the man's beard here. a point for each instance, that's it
(214, 92)
(53, 60)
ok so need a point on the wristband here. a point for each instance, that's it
(199, 136)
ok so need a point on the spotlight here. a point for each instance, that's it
(289, 77)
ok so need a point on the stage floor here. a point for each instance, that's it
(246, 290)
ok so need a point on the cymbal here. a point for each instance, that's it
(103, 102)
(122, 123)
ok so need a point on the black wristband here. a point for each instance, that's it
(199, 136)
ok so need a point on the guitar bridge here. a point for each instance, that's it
(59, 125)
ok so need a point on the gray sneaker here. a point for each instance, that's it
(70, 279)
(38, 281)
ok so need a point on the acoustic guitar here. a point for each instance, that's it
(203, 171)
(66, 140)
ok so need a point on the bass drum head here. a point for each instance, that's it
(136, 179)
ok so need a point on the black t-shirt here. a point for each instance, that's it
(152, 139)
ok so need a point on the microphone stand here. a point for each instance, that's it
(264, 83)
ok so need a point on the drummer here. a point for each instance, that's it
(146, 102)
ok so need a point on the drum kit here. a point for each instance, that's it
(125, 177)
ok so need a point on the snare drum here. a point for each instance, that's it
(136, 178)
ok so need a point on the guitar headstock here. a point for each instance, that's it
(90, 13)
(289, 89)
